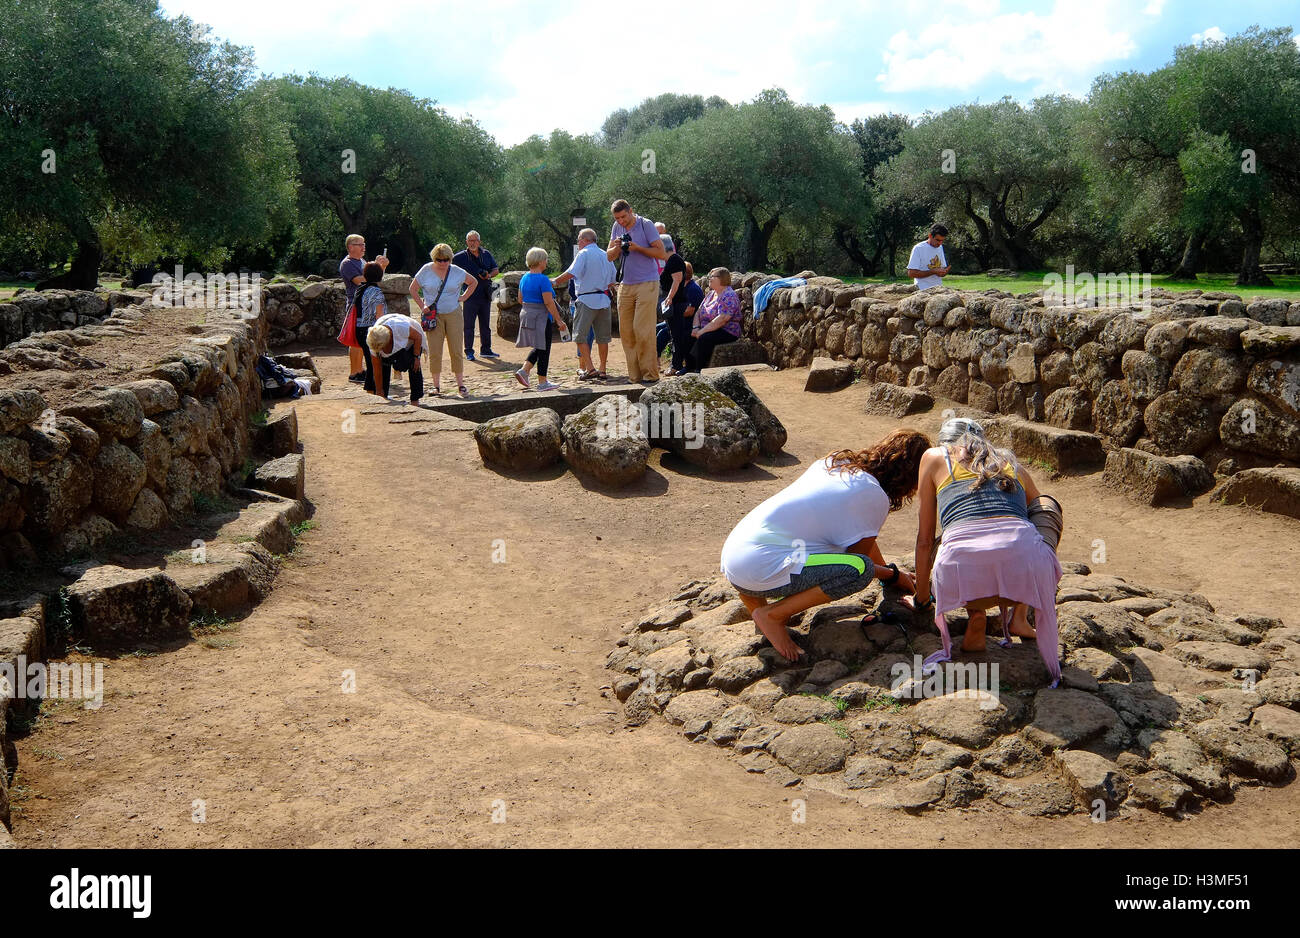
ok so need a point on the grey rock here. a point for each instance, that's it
(524, 442)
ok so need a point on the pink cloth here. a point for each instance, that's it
(1004, 557)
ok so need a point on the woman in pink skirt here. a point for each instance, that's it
(990, 554)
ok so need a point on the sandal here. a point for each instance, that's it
(464, 391)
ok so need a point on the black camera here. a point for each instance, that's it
(627, 241)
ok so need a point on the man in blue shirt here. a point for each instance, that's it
(480, 264)
(351, 269)
(593, 274)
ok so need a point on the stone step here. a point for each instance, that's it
(1060, 449)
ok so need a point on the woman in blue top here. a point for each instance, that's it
(440, 282)
(538, 320)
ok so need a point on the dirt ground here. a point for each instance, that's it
(480, 692)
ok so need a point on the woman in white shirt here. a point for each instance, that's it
(394, 341)
(440, 282)
(815, 540)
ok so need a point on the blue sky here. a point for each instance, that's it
(521, 67)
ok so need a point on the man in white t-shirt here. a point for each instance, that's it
(927, 266)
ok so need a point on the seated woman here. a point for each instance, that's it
(991, 554)
(718, 320)
(815, 540)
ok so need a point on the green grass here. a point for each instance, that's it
(837, 726)
(259, 419)
(302, 527)
(1285, 287)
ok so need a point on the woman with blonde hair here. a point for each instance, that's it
(991, 554)
(538, 320)
(439, 282)
(815, 540)
(717, 321)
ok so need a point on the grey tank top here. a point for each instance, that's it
(959, 501)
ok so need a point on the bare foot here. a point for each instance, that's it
(1020, 623)
(776, 632)
(975, 631)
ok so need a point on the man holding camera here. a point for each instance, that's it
(636, 241)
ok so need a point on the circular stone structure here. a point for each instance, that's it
(1165, 702)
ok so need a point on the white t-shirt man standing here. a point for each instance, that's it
(928, 266)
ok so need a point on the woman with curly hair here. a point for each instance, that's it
(815, 540)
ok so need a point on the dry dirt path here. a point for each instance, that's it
(481, 682)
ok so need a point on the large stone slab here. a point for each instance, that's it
(1153, 480)
(115, 607)
(1273, 490)
(892, 400)
(1060, 449)
(826, 374)
(285, 476)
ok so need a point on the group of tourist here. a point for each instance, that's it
(453, 293)
(815, 541)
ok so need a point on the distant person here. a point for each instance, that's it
(717, 322)
(593, 275)
(679, 312)
(482, 266)
(927, 266)
(352, 270)
(663, 230)
(814, 541)
(439, 282)
(395, 342)
(370, 307)
(537, 321)
(635, 240)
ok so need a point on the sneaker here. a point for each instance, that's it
(547, 386)
(522, 378)
(359, 377)
(469, 355)
(489, 354)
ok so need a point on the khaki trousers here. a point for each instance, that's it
(638, 307)
(450, 330)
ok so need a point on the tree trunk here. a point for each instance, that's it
(411, 262)
(84, 273)
(1252, 226)
(850, 245)
(1186, 269)
(756, 240)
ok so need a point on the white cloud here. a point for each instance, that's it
(1154, 8)
(847, 112)
(536, 66)
(1213, 34)
(1058, 51)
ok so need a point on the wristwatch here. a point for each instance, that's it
(894, 578)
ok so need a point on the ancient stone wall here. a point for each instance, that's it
(1202, 374)
(89, 447)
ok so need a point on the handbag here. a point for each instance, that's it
(429, 320)
(348, 334)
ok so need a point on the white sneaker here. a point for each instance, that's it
(522, 378)
(547, 386)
